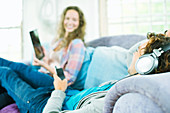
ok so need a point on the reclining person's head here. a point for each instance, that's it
(150, 58)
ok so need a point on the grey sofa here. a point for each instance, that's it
(137, 94)
(125, 41)
(108, 58)
(140, 94)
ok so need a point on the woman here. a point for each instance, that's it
(68, 47)
(68, 52)
(34, 100)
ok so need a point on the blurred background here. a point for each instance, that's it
(103, 17)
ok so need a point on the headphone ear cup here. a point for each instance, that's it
(146, 64)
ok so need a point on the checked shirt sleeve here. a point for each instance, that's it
(76, 56)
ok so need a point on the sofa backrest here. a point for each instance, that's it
(125, 41)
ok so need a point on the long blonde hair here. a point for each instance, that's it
(78, 33)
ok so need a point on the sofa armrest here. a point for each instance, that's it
(140, 94)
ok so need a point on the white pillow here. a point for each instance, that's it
(108, 63)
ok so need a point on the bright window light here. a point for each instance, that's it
(10, 29)
(137, 16)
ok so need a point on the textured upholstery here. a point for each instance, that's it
(140, 94)
(125, 41)
(12, 108)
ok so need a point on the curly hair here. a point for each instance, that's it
(78, 33)
(155, 42)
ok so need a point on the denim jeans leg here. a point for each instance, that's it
(34, 78)
(18, 89)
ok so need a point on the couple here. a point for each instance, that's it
(48, 100)
(50, 95)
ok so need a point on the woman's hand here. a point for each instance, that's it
(59, 84)
(37, 62)
(45, 58)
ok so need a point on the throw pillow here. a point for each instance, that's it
(108, 63)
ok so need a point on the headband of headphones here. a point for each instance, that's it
(166, 47)
(161, 50)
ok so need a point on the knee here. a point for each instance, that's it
(5, 71)
(4, 68)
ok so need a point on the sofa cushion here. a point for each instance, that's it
(81, 77)
(108, 63)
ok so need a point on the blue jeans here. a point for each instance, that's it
(31, 76)
(29, 88)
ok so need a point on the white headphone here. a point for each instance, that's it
(149, 62)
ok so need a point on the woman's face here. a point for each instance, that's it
(71, 21)
(136, 55)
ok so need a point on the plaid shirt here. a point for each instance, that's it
(72, 59)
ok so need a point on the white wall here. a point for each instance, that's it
(45, 22)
